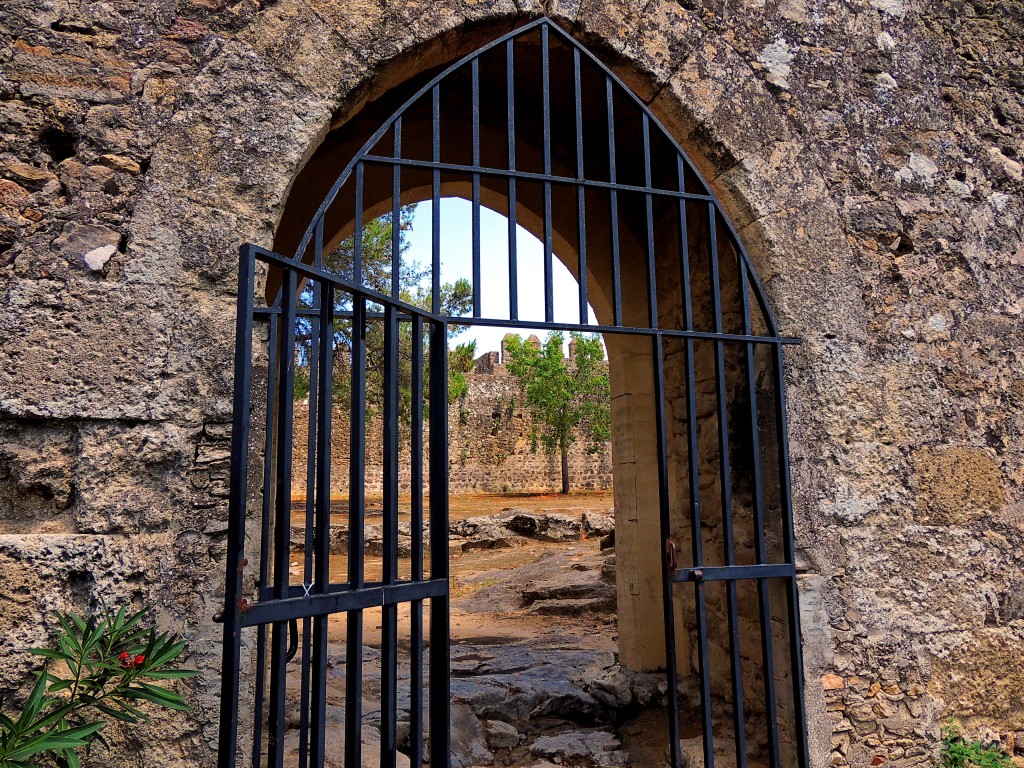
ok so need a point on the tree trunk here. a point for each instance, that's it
(565, 470)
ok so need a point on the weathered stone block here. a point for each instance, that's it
(958, 485)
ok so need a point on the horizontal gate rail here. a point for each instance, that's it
(736, 572)
(543, 177)
(341, 598)
(325, 277)
(267, 312)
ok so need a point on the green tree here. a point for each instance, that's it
(567, 399)
(376, 260)
(460, 362)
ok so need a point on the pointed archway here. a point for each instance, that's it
(534, 126)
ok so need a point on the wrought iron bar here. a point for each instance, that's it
(665, 523)
(282, 517)
(356, 509)
(513, 238)
(312, 423)
(265, 531)
(581, 191)
(609, 186)
(613, 194)
(652, 267)
(322, 537)
(396, 215)
(440, 652)
(587, 328)
(761, 550)
(237, 508)
(416, 556)
(357, 234)
(789, 551)
(728, 546)
(341, 598)
(475, 99)
(435, 202)
(545, 94)
(389, 622)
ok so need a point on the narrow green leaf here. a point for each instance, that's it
(72, 759)
(52, 740)
(168, 674)
(48, 653)
(117, 714)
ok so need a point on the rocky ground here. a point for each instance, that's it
(535, 675)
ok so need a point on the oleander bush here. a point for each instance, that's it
(104, 668)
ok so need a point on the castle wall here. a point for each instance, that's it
(490, 450)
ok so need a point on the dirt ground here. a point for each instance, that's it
(477, 504)
(487, 607)
(476, 569)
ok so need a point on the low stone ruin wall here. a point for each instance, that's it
(489, 448)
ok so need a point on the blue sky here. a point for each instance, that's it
(456, 262)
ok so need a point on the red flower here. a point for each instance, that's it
(126, 660)
(139, 661)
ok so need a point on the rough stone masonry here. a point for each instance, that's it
(868, 151)
(490, 447)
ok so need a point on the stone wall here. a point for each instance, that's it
(869, 153)
(489, 445)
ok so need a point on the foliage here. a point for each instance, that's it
(957, 752)
(110, 663)
(460, 362)
(566, 399)
(376, 260)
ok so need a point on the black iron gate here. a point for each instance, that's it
(290, 619)
(536, 127)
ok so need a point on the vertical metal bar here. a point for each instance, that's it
(389, 629)
(259, 684)
(667, 581)
(545, 63)
(312, 424)
(789, 549)
(697, 542)
(704, 660)
(266, 527)
(265, 532)
(684, 252)
(614, 205)
(652, 288)
(440, 655)
(693, 459)
(513, 265)
(312, 362)
(477, 288)
(357, 504)
(726, 495)
(435, 203)
(282, 517)
(396, 214)
(322, 539)
(763, 594)
(581, 205)
(416, 503)
(237, 508)
(357, 233)
(318, 244)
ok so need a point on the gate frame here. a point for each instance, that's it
(282, 606)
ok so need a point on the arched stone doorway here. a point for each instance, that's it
(700, 459)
